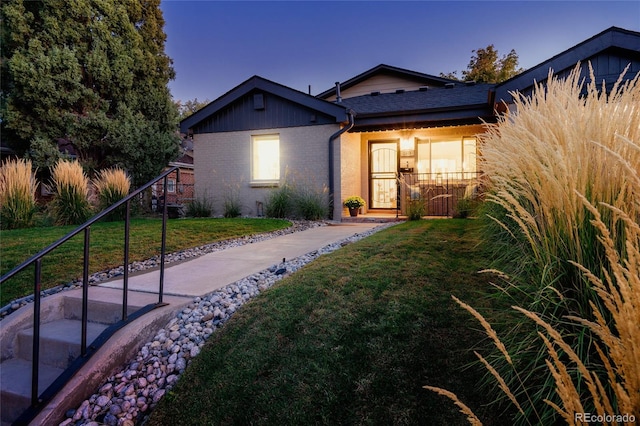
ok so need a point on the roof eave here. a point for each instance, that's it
(472, 108)
(479, 114)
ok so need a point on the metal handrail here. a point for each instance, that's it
(38, 400)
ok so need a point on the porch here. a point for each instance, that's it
(432, 194)
(375, 217)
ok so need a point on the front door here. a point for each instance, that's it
(383, 161)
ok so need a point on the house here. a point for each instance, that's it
(389, 135)
(180, 183)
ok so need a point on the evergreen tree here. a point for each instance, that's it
(92, 75)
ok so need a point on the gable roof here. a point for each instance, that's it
(383, 69)
(336, 112)
(614, 39)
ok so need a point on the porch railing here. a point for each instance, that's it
(441, 193)
(38, 400)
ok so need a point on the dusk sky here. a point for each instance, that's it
(216, 45)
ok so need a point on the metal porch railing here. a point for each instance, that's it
(39, 400)
(440, 192)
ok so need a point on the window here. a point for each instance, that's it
(447, 156)
(171, 185)
(469, 155)
(265, 159)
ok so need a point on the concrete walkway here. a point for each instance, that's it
(182, 282)
(213, 271)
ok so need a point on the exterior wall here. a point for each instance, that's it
(349, 181)
(381, 83)
(223, 163)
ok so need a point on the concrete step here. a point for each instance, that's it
(60, 344)
(105, 304)
(15, 395)
(59, 341)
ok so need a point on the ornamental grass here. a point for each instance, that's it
(112, 185)
(564, 190)
(17, 194)
(70, 186)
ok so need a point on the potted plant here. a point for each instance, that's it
(353, 204)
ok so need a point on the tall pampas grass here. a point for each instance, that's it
(564, 140)
(612, 395)
(17, 194)
(568, 155)
(112, 185)
(608, 395)
(70, 185)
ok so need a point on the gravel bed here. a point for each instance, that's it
(127, 398)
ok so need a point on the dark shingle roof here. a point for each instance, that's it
(460, 105)
(459, 96)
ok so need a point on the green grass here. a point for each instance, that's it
(106, 246)
(351, 339)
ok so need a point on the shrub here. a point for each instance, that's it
(416, 209)
(567, 158)
(200, 207)
(465, 207)
(17, 194)
(279, 202)
(311, 204)
(299, 199)
(70, 185)
(112, 185)
(232, 207)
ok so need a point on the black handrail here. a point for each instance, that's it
(38, 400)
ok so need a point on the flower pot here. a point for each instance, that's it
(353, 211)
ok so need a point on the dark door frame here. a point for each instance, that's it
(370, 179)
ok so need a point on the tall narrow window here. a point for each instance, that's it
(171, 185)
(469, 154)
(424, 157)
(265, 158)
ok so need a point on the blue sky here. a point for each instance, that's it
(216, 45)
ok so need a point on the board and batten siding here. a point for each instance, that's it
(259, 110)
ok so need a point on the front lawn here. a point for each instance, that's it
(107, 241)
(351, 339)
